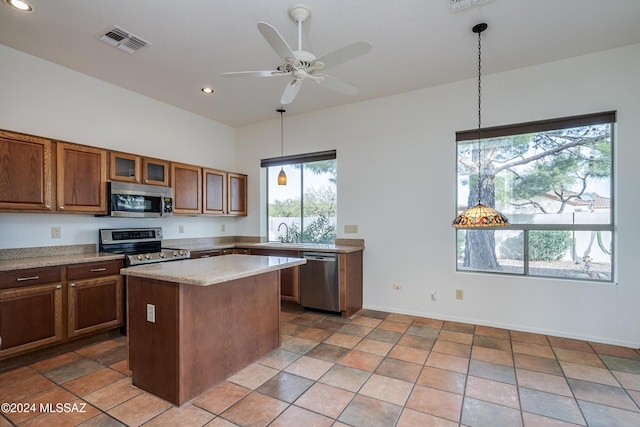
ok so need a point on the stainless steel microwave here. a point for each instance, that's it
(138, 200)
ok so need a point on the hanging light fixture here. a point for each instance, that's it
(282, 177)
(480, 215)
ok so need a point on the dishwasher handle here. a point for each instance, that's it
(317, 256)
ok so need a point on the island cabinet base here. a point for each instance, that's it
(201, 334)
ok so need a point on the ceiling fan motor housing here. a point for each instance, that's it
(299, 12)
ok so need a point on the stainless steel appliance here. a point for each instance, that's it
(139, 245)
(319, 281)
(138, 200)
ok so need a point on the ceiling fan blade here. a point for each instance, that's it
(264, 73)
(275, 40)
(344, 54)
(337, 85)
(290, 92)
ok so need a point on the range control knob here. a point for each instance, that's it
(139, 257)
(147, 256)
(161, 254)
(175, 253)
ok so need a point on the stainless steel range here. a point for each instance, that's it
(139, 245)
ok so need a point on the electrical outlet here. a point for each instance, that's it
(181, 229)
(151, 313)
(434, 296)
(397, 286)
(223, 227)
(459, 294)
(56, 232)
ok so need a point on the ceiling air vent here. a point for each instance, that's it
(458, 5)
(123, 40)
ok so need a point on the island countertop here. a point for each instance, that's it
(210, 271)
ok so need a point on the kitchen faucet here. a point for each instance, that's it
(286, 230)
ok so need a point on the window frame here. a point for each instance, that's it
(607, 117)
(296, 159)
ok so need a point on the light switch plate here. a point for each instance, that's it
(351, 229)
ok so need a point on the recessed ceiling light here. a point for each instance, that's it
(19, 5)
(207, 90)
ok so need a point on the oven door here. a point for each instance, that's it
(139, 201)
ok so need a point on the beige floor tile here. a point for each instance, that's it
(113, 395)
(221, 397)
(139, 409)
(325, 399)
(186, 415)
(387, 389)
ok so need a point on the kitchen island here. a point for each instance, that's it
(193, 323)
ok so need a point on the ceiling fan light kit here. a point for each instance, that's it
(302, 65)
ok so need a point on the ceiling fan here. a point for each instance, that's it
(301, 65)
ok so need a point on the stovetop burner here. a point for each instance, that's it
(139, 245)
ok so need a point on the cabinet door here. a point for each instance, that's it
(124, 167)
(25, 172)
(155, 172)
(214, 192)
(95, 304)
(289, 277)
(81, 176)
(186, 181)
(30, 317)
(237, 188)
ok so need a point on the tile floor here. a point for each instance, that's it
(376, 369)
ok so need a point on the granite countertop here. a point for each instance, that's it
(55, 260)
(312, 247)
(210, 271)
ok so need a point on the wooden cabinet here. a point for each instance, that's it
(237, 194)
(38, 307)
(31, 307)
(214, 192)
(81, 175)
(205, 254)
(186, 181)
(137, 169)
(289, 277)
(235, 251)
(25, 172)
(95, 297)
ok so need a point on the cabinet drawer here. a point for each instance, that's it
(93, 269)
(29, 277)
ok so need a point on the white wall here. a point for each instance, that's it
(396, 181)
(41, 98)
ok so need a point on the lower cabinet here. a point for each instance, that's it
(39, 308)
(94, 304)
(30, 317)
(289, 277)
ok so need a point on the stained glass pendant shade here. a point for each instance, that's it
(480, 215)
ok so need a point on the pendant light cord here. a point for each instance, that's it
(479, 29)
(281, 111)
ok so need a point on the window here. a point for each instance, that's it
(304, 210)
(553, 179)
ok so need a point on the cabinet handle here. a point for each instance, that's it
(95, 270)
(59, 287)
(23, 279)
(146, 181)
(61, 208)
(73, 285)
(47, 207)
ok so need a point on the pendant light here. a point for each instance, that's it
(282, 177)
(480, 215)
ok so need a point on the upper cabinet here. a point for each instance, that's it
(186, 181)
(42, 175)
(237, 189)
(25, 172)
(132, 168)
(214, 192)
(81, 176)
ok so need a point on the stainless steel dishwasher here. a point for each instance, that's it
(319, 281)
